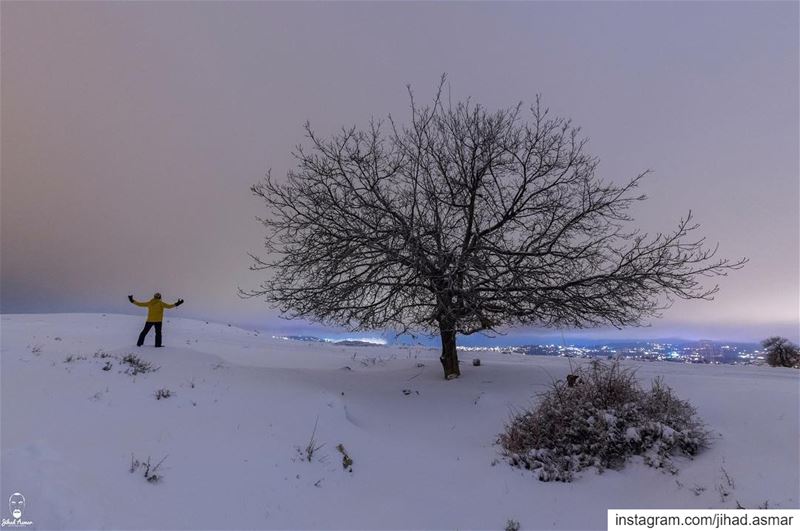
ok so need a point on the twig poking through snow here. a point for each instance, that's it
(312, 446)
(150, 471)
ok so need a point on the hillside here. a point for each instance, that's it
(243, 408)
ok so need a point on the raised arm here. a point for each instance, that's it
(142, 304)
(178, 303)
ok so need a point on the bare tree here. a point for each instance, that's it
(781, 352)
(463, 221)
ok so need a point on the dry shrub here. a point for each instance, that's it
(601, 422)
(137, 366)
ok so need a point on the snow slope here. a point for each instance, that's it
(243, 404)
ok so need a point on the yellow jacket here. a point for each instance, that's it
(155, 309)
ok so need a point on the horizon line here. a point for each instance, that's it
(514, 335)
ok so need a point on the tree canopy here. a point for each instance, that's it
(467, 220)
(781, 352)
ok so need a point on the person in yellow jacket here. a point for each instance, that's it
(155, 314)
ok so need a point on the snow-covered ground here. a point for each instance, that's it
(423, 449)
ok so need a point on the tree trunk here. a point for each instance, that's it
(449, 356)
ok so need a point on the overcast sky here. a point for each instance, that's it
(131, 132)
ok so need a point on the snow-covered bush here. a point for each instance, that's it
(600, 422)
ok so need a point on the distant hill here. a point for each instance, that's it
(343, 342)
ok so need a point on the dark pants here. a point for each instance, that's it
(147, 326)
